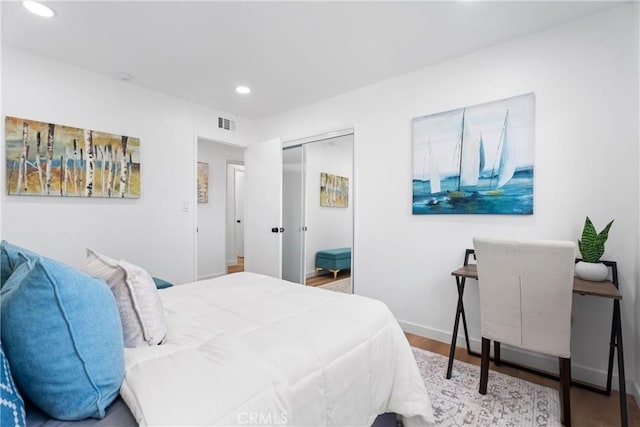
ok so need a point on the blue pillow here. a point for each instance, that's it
(11, 256)
(12, 412)
(62, 333)
(161, 283)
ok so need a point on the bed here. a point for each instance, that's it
(248, 349)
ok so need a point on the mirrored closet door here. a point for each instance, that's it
(293, 214)
(317, 203)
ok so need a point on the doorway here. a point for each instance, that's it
(235, 217)
(214, 241)
(310, 224)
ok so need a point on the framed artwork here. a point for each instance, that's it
(334, 190)
(203, 182)
(46, 159)
(475, 160)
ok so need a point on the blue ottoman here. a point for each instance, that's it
(333, 260)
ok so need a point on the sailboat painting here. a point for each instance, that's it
(475, 160)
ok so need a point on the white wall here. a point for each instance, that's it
(151, 231)
(585, 78)
(212, 216)
(328, 227)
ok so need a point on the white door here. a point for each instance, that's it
(239, 210)
(263, 208)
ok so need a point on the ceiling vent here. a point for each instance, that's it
(226, 124)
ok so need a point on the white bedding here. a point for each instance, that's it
(247, 349)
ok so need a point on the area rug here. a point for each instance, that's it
(509, 402)
(342, 285)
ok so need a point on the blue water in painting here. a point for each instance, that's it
(514, 198)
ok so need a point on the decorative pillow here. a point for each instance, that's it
(62, 333)
(11, 256)
(161, 283)
(139, 304)
(12, 412)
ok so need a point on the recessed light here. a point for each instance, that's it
(243, 90)
(39, 9)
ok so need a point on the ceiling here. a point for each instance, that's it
(290, 53)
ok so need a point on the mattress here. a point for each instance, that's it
(249, 349)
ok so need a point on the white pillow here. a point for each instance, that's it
(139, 304)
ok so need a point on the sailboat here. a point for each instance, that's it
(507, 165)
(434, 180)
(471, 158)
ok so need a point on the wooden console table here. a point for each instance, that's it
(607, 289)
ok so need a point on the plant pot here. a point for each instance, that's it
(592, 271)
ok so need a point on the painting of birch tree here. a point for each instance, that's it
(46, 159)
(334, 190)
(203, 182)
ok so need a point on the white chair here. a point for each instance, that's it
(525, 301)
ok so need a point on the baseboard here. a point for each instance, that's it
(431, 333)
(587, 374)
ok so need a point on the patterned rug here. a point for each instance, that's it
(342, 285)
(509, 402)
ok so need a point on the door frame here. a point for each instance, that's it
(194, 194)
(319, 137)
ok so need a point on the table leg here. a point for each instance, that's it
(621, 378)
(466, 331)
(612, 348)
(459, 311)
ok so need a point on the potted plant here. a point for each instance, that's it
(591, 247)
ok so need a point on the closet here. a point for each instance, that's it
(310, 227)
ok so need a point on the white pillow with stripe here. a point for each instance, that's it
(139, 304)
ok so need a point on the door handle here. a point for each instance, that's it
(274, 230)
(281, 230)
(238, 221)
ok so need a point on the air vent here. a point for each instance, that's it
(226, 124)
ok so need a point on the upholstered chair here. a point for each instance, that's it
(525, 301)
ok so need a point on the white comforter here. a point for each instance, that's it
(247, 349)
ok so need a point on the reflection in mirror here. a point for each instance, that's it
(318, 171)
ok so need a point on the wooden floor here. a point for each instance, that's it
(588, 409)
(327, 277)
(236, 268)
(322, 279)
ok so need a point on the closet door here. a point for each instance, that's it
(263, 208)
(329, 226)
(293, 214)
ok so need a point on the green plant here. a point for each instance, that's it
(592, 243)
